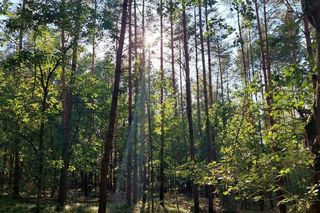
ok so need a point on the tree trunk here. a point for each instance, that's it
(150, 137)
(197, 73)
(129, 156)
(173, 75)
(221, 76)
(143, 113)
(244, 73)
(40, 148)
(209, 54)
(189, 107)
(262, 49)
(67, 112)
(112, 116)
(16, 169)
(161, 193)
(136, 72)
(135, 161)
(208, 141)
(16, 163)
(307, 34)
(266, 67)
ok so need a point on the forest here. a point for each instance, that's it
(126, 106)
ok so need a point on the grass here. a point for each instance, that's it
(10, 205)
(116, 204)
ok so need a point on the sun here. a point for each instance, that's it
(150, 39)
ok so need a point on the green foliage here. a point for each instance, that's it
(250, 167)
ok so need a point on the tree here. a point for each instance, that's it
(162, 178)
(112, 116)
(189, 106)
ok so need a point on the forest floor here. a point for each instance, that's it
(116, 204)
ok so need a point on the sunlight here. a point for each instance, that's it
(150, 39)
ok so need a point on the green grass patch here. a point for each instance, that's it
(10, 205)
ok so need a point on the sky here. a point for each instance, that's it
(152, 37)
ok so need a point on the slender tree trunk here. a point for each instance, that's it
(209, 54)
(135, 160)
(67, 113)
(93, 64)
(269, 99)
(173, 75)
(10, 172)
(16, 168)
(189, 107)
(129, 160)
(307, 34)
(91, 112)
(267, 52)
(210, 153)
(221, 73)
(256, 94)
(205, 90)
(21, 30)
(174, 86)
(197, 73)
(16, 163)
(40, 148)
(136, 72)
(93, 58)
(3, 173)
(143, 113)
(85, 185)
(266, 67)
(181, 85)
(162, 138)
(44, 82)
(112, 116)
(142, 140)
(150, 136)
(116, 162)
(262, 49)
(243, 55)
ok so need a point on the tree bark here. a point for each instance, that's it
(162, 137)
(189, 107)
(307, 34)
(150, 137)
(40, 148)
(209, 54)
(67, 111)
(143, 113)
(136, 72)
(244, 74)
(173, 75)
(16, 169)
(197, 73)
(209, 130)
(112, 115)
(129, 160)
(16, 163)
